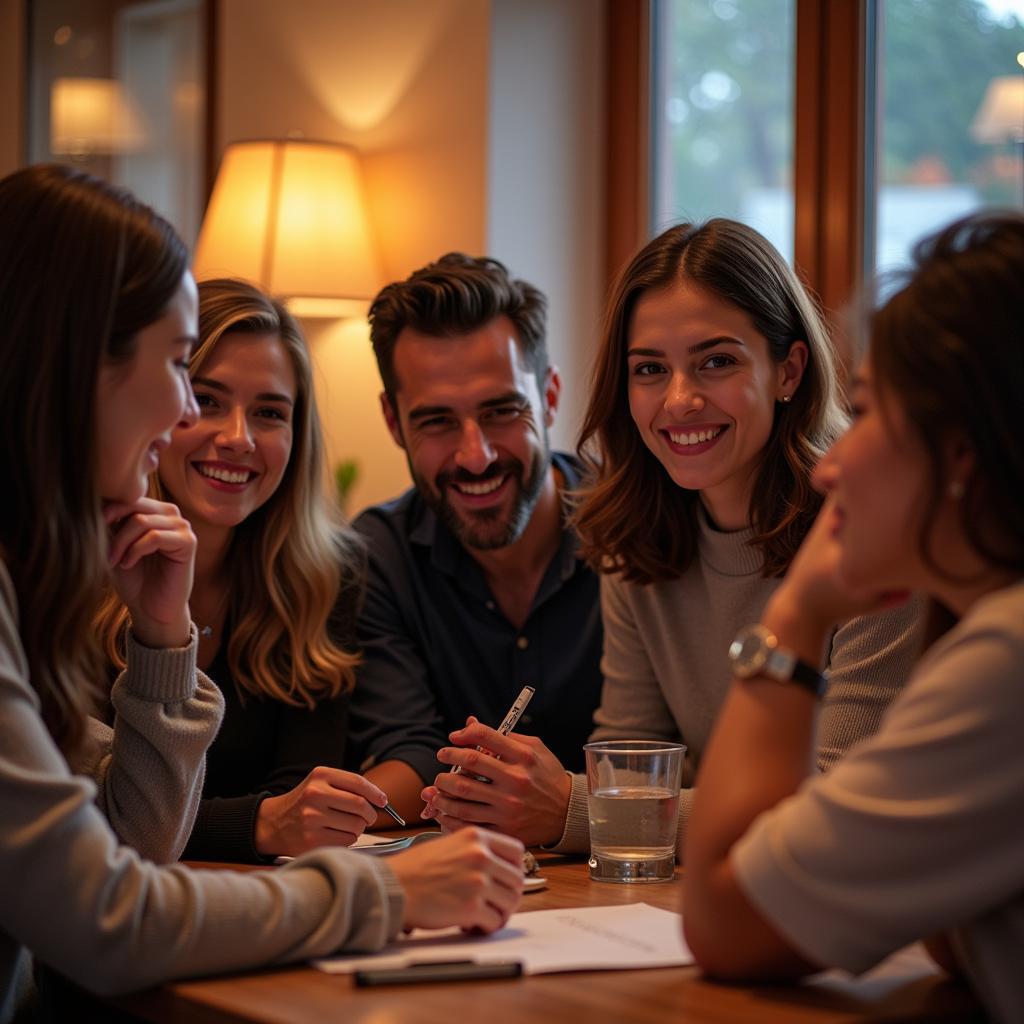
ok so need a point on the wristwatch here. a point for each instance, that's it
(756, 652)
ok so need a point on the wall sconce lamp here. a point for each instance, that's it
(291, 217)
(93, 115)
(1000, 118)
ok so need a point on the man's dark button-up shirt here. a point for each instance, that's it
(436, 646)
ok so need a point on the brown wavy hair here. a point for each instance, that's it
(949, 347)
(296, 569)
(632, 518)
(84, 267)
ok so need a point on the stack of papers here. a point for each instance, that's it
(545, 941)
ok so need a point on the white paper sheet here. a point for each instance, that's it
(573, 939)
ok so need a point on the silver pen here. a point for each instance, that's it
(508, 723)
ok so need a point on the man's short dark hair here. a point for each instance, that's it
(452, 296)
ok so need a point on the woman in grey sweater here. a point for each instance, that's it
(99, 321)
(714, 394)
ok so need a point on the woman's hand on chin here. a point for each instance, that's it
(152, 559)
(813, 597)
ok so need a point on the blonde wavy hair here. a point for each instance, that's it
(294, 561)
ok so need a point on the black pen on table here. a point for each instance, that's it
(453, 970)
(508, 723)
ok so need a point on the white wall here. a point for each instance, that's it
(478, 124)
(545, 173)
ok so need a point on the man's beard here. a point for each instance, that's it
(489, 528)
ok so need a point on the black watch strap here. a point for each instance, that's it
(809, 678)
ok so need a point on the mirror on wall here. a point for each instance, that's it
(119, 89)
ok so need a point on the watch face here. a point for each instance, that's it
(747, 653)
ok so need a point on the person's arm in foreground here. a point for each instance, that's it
(761, 750)
(112, 922)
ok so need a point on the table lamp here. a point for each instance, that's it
(290, 216)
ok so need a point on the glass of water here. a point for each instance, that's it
(633, 798)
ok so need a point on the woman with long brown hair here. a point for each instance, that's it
(918, 833)
(277, 587)
(715, 392)
(99, 319)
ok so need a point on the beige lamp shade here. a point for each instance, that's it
(93, 115)
(291, 217)
(1000, 118)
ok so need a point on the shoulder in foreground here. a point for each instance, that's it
(999, 613)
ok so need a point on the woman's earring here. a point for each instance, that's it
(786, 399)
(956, 490)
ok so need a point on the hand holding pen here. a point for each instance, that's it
(527, 795)
(508, 723)
(329, 807)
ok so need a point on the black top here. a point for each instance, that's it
(264, 748)
(436, 646)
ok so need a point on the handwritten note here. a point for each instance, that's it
(544, 941)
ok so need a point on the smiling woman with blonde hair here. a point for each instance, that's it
(278, 584)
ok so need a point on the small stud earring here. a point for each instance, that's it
(786, 399)
(956, 490)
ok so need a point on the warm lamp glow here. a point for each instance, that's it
(291, 217)
(1000, 118)
(92, 115)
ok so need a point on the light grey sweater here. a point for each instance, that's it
(666, 673)
(100, 913)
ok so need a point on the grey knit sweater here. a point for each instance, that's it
(100, 913)
(666, 673)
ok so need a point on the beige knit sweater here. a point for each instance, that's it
(72, 895)
(666, 672)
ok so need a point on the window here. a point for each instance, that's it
(843, 130)
(117, 88)
(723, 113)
(950, 116)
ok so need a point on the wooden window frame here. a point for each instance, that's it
(832, 174)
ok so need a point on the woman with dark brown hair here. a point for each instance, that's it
(918, 833)
(714, 394)
(99, 319)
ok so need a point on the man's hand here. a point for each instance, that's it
(527, 795)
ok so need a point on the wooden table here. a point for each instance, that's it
(905, 988)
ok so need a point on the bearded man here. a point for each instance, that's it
(475, 585)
